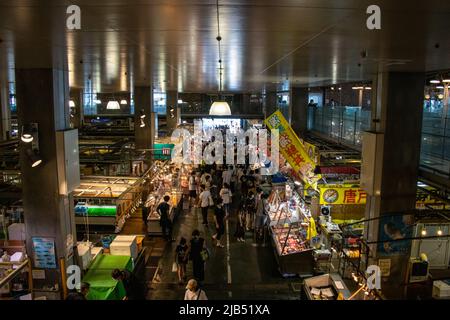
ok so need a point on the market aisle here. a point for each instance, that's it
(253, 269)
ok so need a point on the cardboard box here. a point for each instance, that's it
(441, 290)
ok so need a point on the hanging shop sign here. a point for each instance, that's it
(342, 195)
(425, 199)
(162, 151)
(337, 170)
(292, 149)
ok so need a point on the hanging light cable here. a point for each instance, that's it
(220, 107)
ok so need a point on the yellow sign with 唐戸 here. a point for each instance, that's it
(342, 195)
(293, 149)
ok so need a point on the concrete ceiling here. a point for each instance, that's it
(266, 43)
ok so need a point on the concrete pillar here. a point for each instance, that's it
(5, 112)
(43, 98)
(270, 103)
(246, 103)
(173, 113)
(143, 106)
(77, 118)
(391, 153)
(299, 105)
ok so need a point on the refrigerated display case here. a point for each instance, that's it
(290, 227)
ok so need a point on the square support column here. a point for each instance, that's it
(173, 113)
(270, 103)
(5, 112)
(299, 105)
(77, 118)
(143, 102)
(391, 154)
(43, 98)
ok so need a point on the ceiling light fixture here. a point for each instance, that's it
(435, 81)
(97, 101)
(220, 107)
(113, 105)
(439, 232)
(180, 101)
(71, 103)
(440, 96)
(427, 97)
(440, 87)
(123, 102)
(34, 157)
(446, 80)
(28, 132)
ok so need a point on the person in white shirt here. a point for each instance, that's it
(226, 175)
(203, 178)
(206, 201)
(225, 194)
(193, 292)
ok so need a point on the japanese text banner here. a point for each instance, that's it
(292, 149)
(342, 195)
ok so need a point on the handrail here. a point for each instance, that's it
(13, 274)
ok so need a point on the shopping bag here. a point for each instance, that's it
(204, 254)
(174, 267)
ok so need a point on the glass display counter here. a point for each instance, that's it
(291, 228)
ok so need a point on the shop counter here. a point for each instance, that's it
(299, 263)
(326, 287)
(102, 285)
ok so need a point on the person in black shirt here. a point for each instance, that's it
(219, 216)
(134, 288)
(164, 221)
(181, 259)
(144, 213)
(196, 247)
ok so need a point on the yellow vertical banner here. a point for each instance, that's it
(293, 150)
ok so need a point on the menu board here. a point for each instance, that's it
(44, 253)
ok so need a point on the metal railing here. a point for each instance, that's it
(341, 123)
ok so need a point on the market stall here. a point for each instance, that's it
(106, 201)
(292, 230)
(172, 181)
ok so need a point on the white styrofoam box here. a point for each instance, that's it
(126, 238)
(17, 257)
(441, 289)
(84, 252)
(16, 231)
(119, 248)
